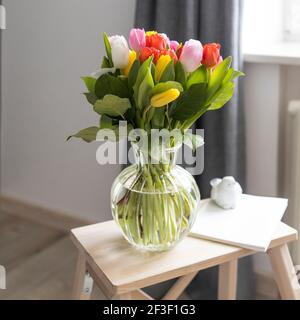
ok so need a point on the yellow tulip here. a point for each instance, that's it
(161, 66)
(132, 57)
(161, 99)
(150, 33)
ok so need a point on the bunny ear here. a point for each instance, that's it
(214, 182)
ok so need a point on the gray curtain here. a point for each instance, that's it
(224, 154)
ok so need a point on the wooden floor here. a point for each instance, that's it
(39, 261)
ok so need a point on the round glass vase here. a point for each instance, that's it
(154, 201)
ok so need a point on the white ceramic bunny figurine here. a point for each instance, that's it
(225, 192)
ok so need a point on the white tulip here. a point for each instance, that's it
(119, 51)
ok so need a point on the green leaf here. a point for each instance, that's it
(88, 134)
(169, 73)
(105, 63)
(229, 76)
(217, 76)
(198, 76)
(153, 68)
(91, 98)
(130, 114)
(223, 95)
(113, 133)
(164, 86)
(158, 118)
(133, 73)
(124, 79)
(108, 49)
(145, 90)
(190, 102)
(193, 141)
(237, 73)
(143, 70)
(106, 122)
(108, 84)
(149, 116)
(89, 83)
(112, 105)
(180, 75)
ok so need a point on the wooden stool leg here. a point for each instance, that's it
(82, 283)
(125, 296)
(179, 286)
(227, 280)
(284, 272)
(133, 295)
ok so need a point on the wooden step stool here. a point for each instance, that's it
(121, 271)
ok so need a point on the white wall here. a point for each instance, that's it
(268, 90)
(262, 109)
(262, 113)
(47, 46)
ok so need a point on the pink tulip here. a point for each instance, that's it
(137, 39)
(191, 55)
(174, 45)
(166, 38)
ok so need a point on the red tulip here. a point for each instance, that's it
(147, 52)
(156, 41)
(170, 53)
(179, 50)
(211, 55)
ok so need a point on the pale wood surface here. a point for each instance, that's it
(284, 272)
(121, 268)
(140, 295)
(179, 286)
(79, 278)
(40, 261)
(126, 296)
(227, 280)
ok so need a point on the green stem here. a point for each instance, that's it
(155, 209)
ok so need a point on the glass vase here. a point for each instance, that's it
(154, 201)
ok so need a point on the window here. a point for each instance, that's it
(271, 31)
(292, 20)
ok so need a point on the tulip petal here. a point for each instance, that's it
(191, 55)
(119, 51)
(161, 65)
(162, 99)
(132, 57)
(137, 39)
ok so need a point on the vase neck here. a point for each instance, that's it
(157, 155)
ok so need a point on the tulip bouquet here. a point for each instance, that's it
(156, 83)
